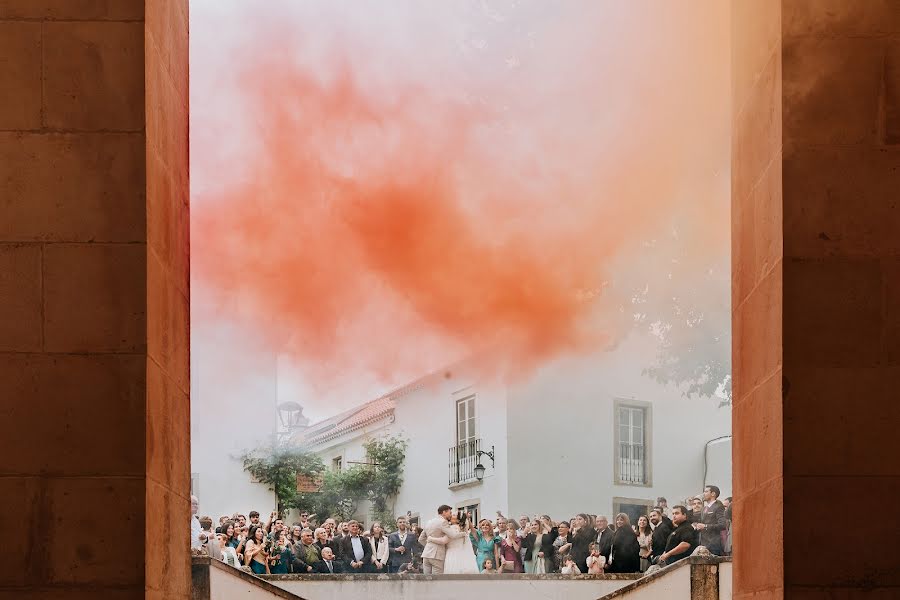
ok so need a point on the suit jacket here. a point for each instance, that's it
(713, 517)
(660, 537)
(605, 541)
(436, 528)
(581, 543)
(322, 567)
(349, 556)
(395, 559)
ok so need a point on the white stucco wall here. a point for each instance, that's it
(427, 419)
(233, 395)
(469, 587)
(726, 574)
(562, 432)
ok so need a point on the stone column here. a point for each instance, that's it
(816, 295)
(94, 466)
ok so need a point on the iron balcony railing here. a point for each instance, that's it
(631, 464)
(463, 458)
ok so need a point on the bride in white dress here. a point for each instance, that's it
(460, 557)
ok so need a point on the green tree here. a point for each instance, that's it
(278, 465)
(378, 481)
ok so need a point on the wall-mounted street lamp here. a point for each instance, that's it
(479, 468)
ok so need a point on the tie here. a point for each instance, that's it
(330, 570)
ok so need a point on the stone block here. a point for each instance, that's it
(167, 43)
(168, 430)
(755, 40)
(841, 201)
(168, 222)
(759, 559)
(103, 519)
(167, 121)
(810, 502)
(94, 75)
(756, 131)
(75, 593)
(891, 333)
(85, 414)
(832, 313)
(832, 90)
(825, 412)
(95, 297)
(168, 324)
(107, 204)
(20, 75)
(169, 566)
(757, 334)
(82, 10)
(20, 297)
(840, 18)
(758, 435)
(757, 232)
(20, 518)
(891, 128)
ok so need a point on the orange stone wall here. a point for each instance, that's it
(93, 299)
(816, 295)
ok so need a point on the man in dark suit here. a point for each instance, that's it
(662, 528)
(329, 564)
(604, 536)
(712, 521)
(356, 550)
(401, 546)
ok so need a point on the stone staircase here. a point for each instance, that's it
(697, 578)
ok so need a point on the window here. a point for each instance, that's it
(465, 420)
(464, 453)
(471, 507)
(633, 507)
(632, 443)
(337, 463)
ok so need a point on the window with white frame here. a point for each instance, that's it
(631, 444)
(337, 463)
(465, 420)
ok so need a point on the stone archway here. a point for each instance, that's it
(94, 295)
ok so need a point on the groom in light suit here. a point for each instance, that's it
(434, 552)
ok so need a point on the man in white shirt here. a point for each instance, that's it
(195, 523)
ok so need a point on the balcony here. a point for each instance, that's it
(631, 466)
(462, 461)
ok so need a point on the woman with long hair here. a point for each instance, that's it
(645, 540)
(231, 539)
(485, 542)
(584, 535)
(255, 555)
(624, 557)
(380, 551)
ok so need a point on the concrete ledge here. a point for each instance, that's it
(418, 577)
(696, 563)
(202, 588)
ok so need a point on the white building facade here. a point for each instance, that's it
(591, 434)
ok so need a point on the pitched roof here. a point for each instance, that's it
(355, 418)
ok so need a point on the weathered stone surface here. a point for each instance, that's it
(20, 297)
(42, 204)
(82, 10)
(20, 75)
(95, 297)
(94, 75)
(83, 413)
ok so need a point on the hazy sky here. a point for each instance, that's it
(381, 187)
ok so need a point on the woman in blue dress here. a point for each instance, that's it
(485, 542)
(280, 557)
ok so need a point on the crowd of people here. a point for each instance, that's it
(584, 544)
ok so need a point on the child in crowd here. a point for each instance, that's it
(595, 562)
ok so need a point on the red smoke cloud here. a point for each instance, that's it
(389, 227)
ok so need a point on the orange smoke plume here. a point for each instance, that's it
(382, 224)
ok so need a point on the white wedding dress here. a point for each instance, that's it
(460, 558)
